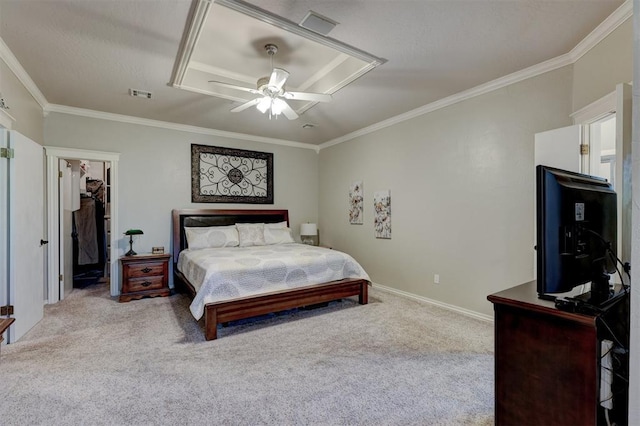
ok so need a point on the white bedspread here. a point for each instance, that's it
(220, 274)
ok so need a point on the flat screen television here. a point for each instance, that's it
(576, 220)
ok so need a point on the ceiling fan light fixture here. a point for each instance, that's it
(264, 104)
(277, 106)
(277, 79)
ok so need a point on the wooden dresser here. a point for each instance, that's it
(144, 275)
(547, 367)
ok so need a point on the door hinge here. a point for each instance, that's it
(59, 174)
(7, 153)
(61, 278)
(6, 310)
(584, 149)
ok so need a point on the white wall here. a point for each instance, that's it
(155, 173)
(462, 190)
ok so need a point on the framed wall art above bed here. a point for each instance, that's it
(228, 175)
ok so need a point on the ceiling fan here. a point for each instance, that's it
(272, 93)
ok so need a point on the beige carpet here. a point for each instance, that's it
(394, 361)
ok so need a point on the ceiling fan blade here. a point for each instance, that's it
(246, 105)
(288, 111)
(278, 78)
(305, 96)
(233, 86)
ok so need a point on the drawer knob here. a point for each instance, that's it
(146, 284)
(146, 270)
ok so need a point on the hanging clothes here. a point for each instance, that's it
(96, 188)
(87, 233)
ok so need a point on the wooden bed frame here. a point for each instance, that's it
(245, 307)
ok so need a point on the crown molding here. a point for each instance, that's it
(533, 71)
(606, 27)
(196, 20)
(6, 120)
(613, 21)
(14, 65)
(173, 126)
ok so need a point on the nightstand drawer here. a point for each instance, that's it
(144, 276)
(145, 283)
(145, 270)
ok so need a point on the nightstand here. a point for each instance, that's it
(145, 275)
(4, 324)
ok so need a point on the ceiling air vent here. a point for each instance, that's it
(318, 23)
(140, 93)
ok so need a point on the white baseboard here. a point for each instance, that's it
(454, 308)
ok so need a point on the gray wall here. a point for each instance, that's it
(155, 173)
(22, 106)
(608, 63)
(461, 181)
(462, 196)
(462, 191)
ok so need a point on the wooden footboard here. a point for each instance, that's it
(246, 307)
(216, 313)
(266, 303)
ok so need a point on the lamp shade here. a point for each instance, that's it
(308, 229)
(134, 232)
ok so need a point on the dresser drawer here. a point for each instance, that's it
(144, 276)
(145, 270)
(145, 283)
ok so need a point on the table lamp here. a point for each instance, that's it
(131, 233)
(308, 232)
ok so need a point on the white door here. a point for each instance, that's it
(67, 205)
(559, 148)
(4, 225)
(26, 231)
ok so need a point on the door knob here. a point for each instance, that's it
(43, 242)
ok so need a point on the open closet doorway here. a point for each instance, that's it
(62, 253)
(84, 199)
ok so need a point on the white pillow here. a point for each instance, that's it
(277, 235)
(251, 234)
(278, 225)
(212, 237)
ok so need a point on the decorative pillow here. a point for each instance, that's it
(251, 234)
(279, 225)
(212, 237)
(277, 235)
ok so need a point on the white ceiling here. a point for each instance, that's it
(216, 51)
(88, 54)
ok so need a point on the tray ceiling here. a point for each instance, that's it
(86, 55)
(225, 41)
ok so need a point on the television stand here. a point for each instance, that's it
(547, 361)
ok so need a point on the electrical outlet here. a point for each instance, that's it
(436, 279)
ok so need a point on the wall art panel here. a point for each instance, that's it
(227, 175)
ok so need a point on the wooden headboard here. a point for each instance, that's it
(207, 217)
